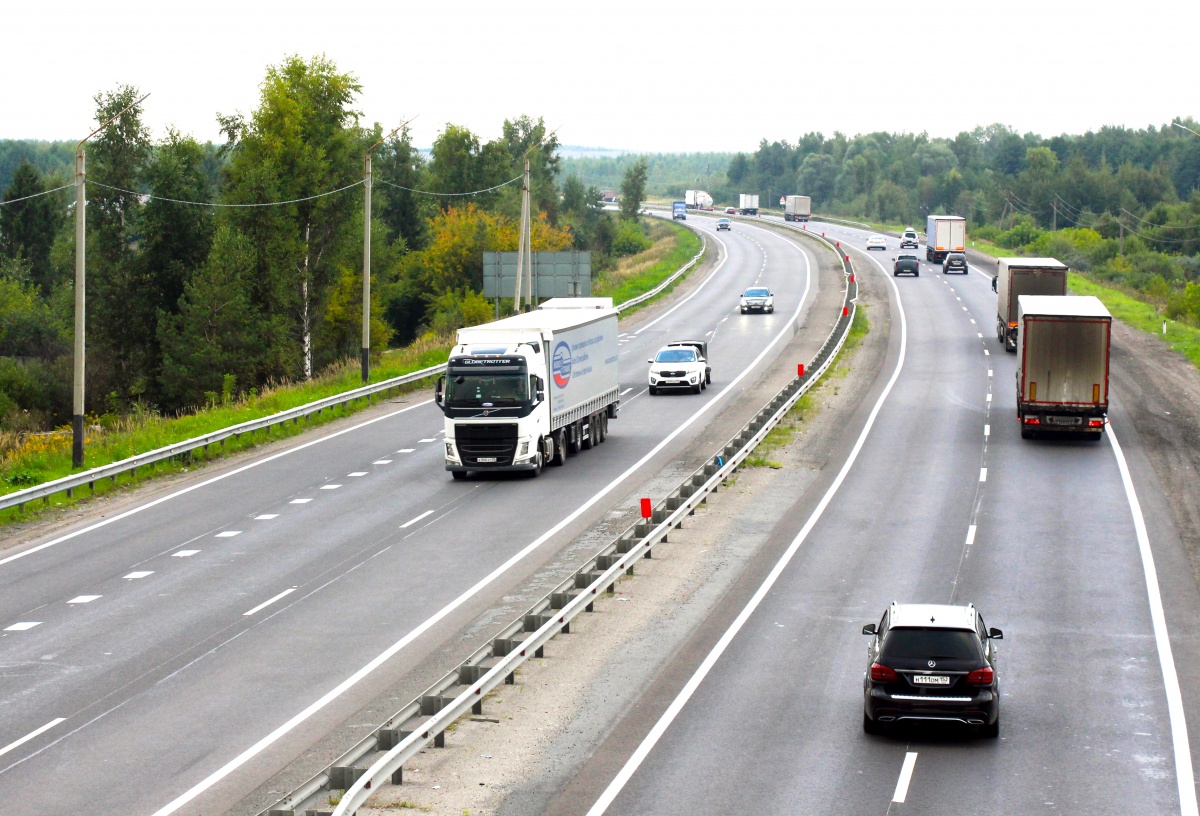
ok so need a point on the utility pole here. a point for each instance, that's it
(1054, 222)
(524, 260)
(77, 409)
(1121, 240)
(366, 307)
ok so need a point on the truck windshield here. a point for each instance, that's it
(487, 388)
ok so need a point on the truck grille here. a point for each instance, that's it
(486, 445)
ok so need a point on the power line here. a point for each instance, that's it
(35, 195)
(473, 192)
(213, 204)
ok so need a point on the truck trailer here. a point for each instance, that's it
(944, 234)
(1062, 365)
(1023, 276)
(531, 389)
(797, 208)
(748, 204)
(697, 200)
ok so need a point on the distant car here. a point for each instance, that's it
(731, 210)
(955, 262)
(931, 662)
(908, 238)
(877, 242)
(680, 365)
(758, 299)
(907, 264)
(723, 223)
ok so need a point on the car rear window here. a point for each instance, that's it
(942, 644)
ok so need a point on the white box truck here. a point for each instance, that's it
(1023, 276)
(748, 204)
(697, 200)
(689, 198)
(529, 390)
(797, 208)
(944, 234)
(1062, 365)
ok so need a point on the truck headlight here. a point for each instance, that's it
(451, 453)
(524, 451)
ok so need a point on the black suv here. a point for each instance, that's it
(907, 264)
(931, 662)
(955, 262)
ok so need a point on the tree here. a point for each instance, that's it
(302, 141)
(633, 190)
(27, 228)
(398, 164)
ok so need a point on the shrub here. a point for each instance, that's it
(630, 239)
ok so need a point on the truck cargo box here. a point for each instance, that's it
(1024, 276)
(944, 234)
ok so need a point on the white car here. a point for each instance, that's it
(877, 242)
(758, 299)
(908, 239)
(680, 365)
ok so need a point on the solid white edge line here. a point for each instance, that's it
(205, 483)
(267, 603)
(245, 756)
(906, 772)
(1184, 774)
(643, 750)
(413, 521)
(31, 735)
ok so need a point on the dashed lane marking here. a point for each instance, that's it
(31, 735)
(22, 626)
(906, 772)
(82, 599)
(268, 602)
(413, 521)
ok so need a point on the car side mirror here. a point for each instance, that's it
(539, 388)
(893, 260)
(649, 361)
(994, 283)
(438, 397)
(870, 629)
(995, 634)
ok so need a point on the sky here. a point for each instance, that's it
(652, 76)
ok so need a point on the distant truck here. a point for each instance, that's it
(679, 210)
(944, 234)
(748, 204)
(697, 200)
(797, 208)
(1023, 276)
(1062, 365)
(531, 389)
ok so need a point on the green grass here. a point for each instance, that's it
(46, 457)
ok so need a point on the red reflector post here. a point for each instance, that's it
(845, 311)
(837, 244)
(800, 370)
(646, 509)
(852, 278)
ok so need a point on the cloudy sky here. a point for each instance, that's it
(694, 75)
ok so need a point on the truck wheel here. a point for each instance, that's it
(559, 458)
(604, 425)
(537, 467)
(586, 437)
(573, 438)
(458, 475)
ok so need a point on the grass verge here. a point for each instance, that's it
(636, 275)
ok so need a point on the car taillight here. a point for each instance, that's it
(1032, 420)
(1095, 423)
(981, 677)
(882, 673)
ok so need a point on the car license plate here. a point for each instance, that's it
(1063, 420)
(931, 680)
(487, 459)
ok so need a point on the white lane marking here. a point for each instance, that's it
(1179, 736)
(22, 626)
(986, 353)
(269, 601)
(139, 574)
(258, 747)
(626, 391)
(983, 474)
(299, 501)
(906, 772)
(970, 535)
(977, 334)
(382, 462)
(330, 487)
(228, 534)
(184, 554)
(724, 255)
(989, 372)
(82, 599)
(213, 480)
(406, 450)
(413, 521)
(357, 473)
(427, 440)
(31, 735)
(643, 750)
(266, 516)
(972, 320)
(964, 307)
(989, 397)
(987, 430)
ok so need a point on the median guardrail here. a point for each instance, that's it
(88, 478)
(380, 756)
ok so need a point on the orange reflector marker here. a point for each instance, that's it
(646, 511)
(1032, 391)
(1095, 392)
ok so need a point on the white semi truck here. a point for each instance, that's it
(797, 208)
(529, 390)
(1023, 276)
(748, 203)
(697, 200)
(944, 234)
(1062, 365)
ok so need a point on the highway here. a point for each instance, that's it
(934, 497)
(171, 651)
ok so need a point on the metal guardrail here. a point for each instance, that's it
(88, 478)
(382, 754)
